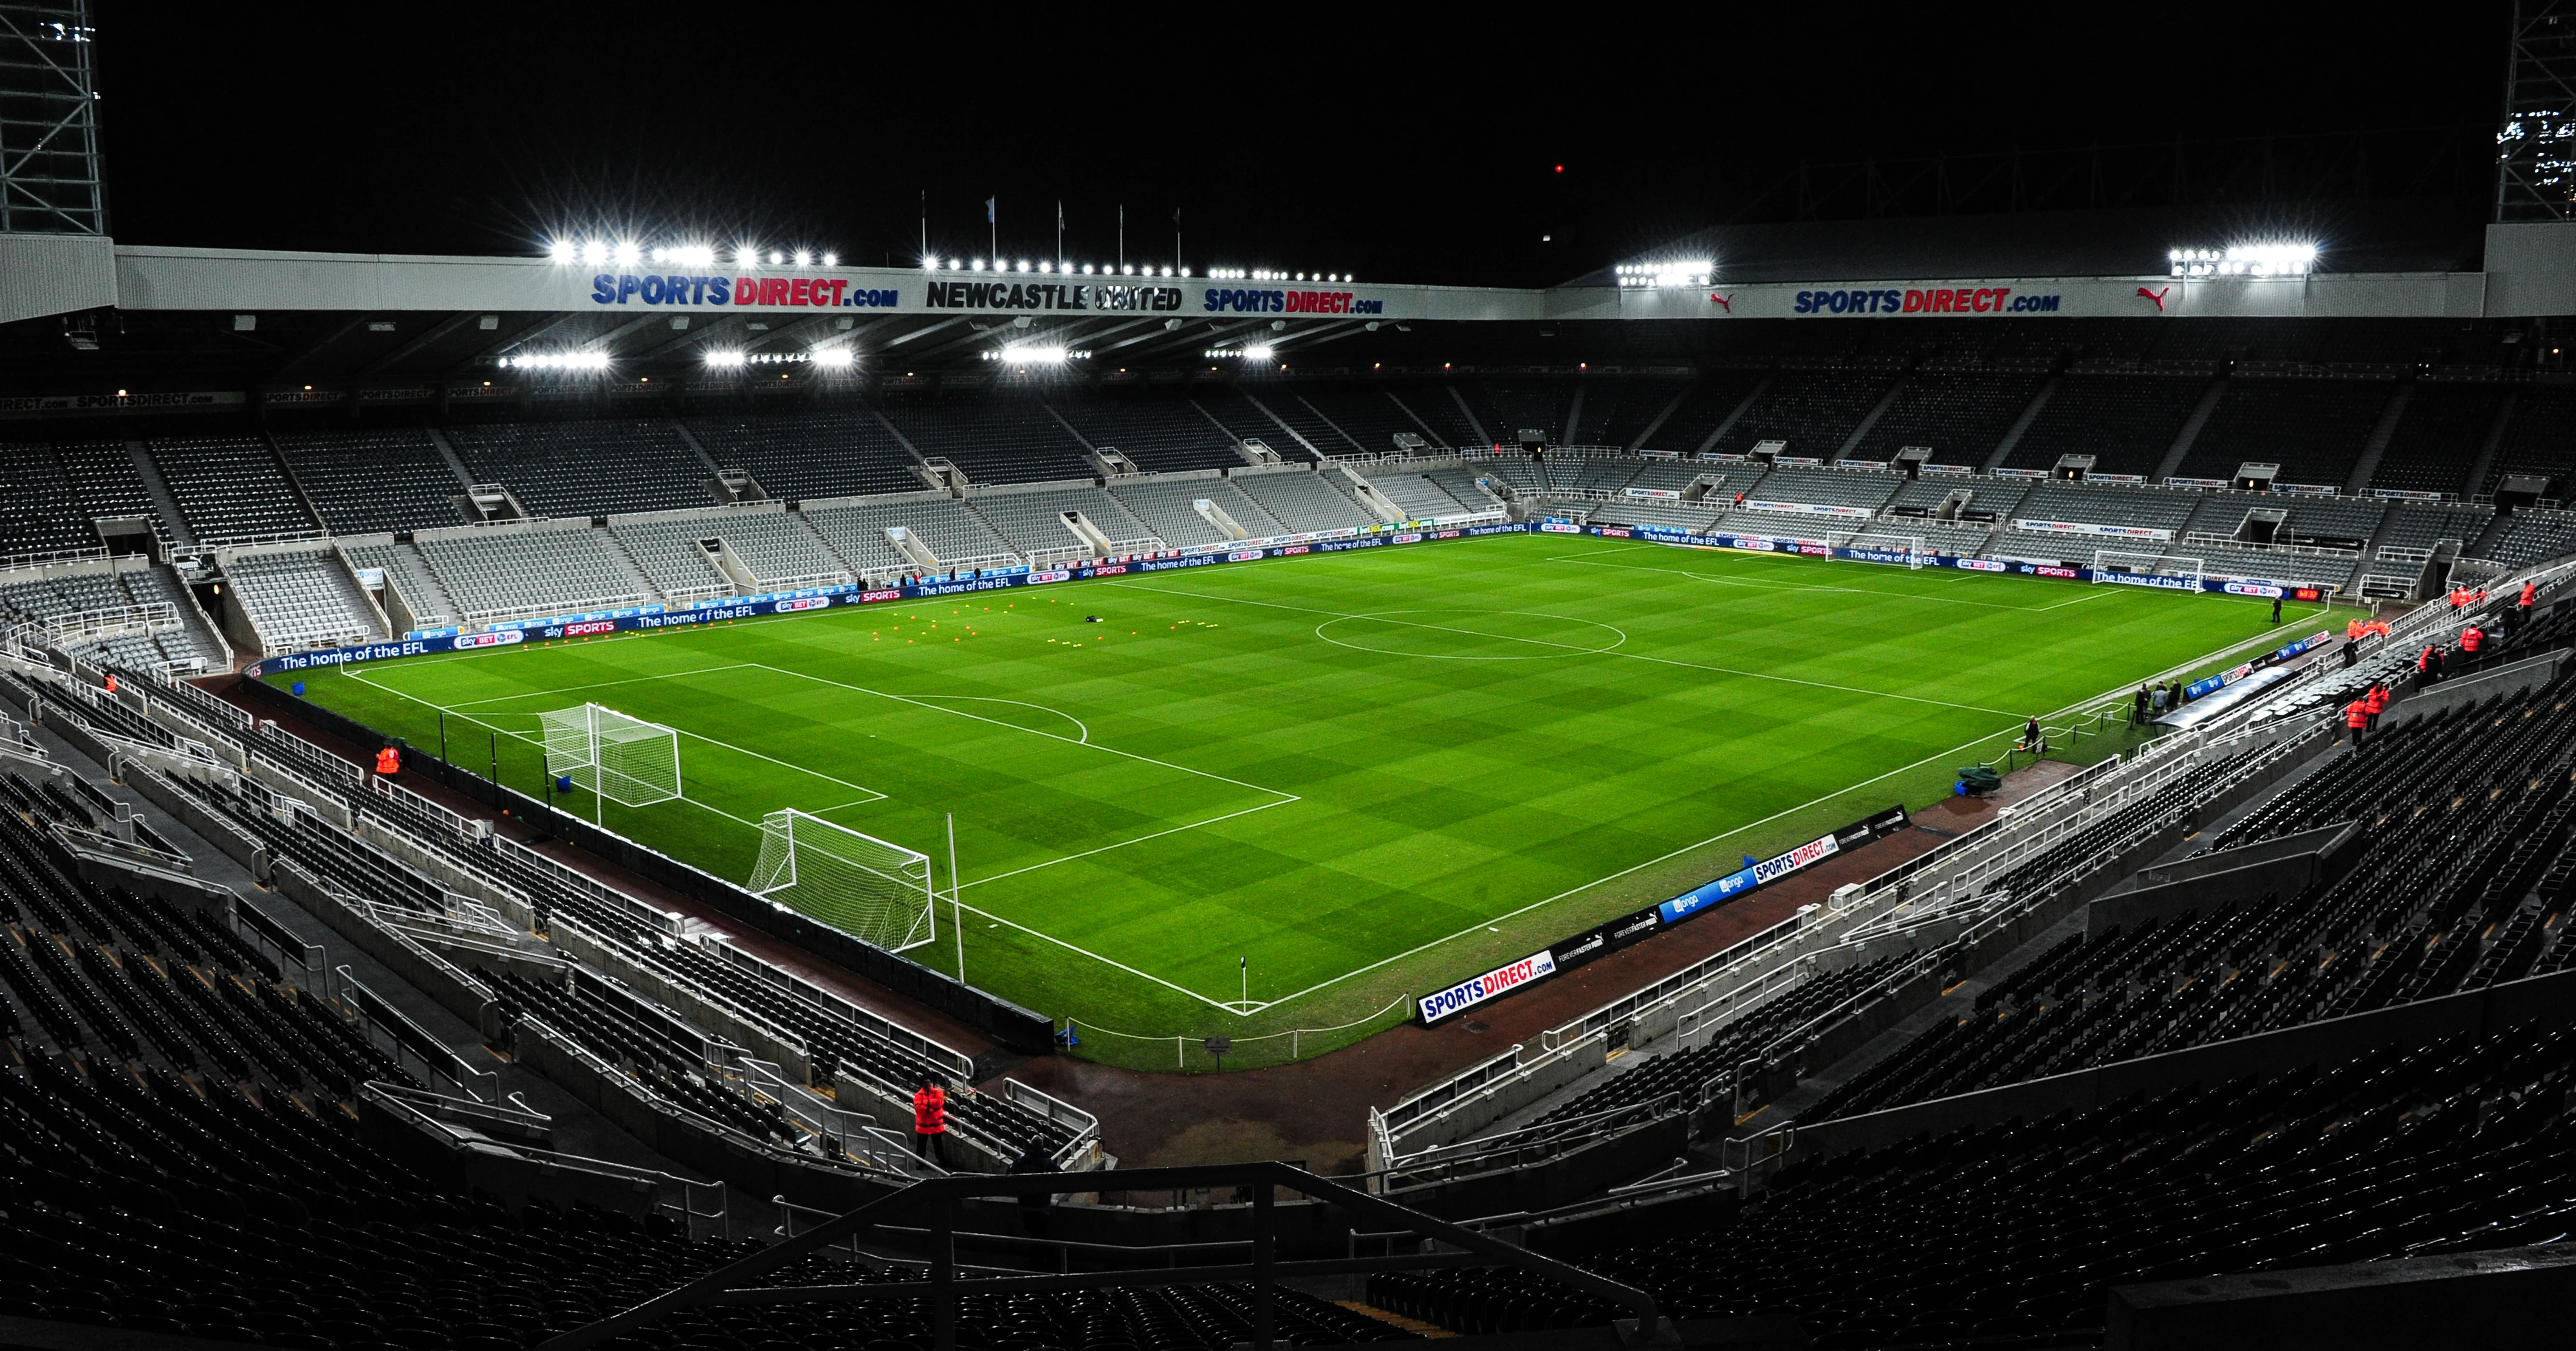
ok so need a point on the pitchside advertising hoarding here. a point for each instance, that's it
(1604, 939)
(650, 618)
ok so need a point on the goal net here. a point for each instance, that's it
(625, 760)
(2110, 564)
(856, 883)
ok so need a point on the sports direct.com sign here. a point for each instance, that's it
(1475, 990)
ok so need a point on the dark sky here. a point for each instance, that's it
(1309, 138)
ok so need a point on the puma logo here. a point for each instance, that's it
(1726, 303)
(2156, 296)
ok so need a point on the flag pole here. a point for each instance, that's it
(956, 906)
(925, 226)
(1122, 236)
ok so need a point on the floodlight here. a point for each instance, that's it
(562, 251)
(1024, 265)
(629, 254)
(975, 266)
(834, 356)
(1260, 352)
(724, 358)
(594, 253)
(1032, 354)
(1086, 269)
(804, 259)
(661, 255)
(746, 256)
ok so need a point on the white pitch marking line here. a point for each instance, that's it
(1175, 830)
(1570, 649)
(598, 684)
(1105, 961)
(1084, 739)
(1577, 650)
(1051, 736)
(1766, 583)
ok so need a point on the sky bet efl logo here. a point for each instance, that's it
(765, 292)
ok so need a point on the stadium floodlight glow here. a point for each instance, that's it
(1260, 352)
(1667, 275)
(563, 251)
(558, 361)
(1086, 269)
(745, 255)
(834, 356)
(724, 359)
(2274, 258)
(1036, 354)
(804, 259)
(594, 253)
(697, 255)
(976, 265)
(661, 254)
(629, 254)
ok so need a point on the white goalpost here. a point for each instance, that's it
(624, 760)
(856, 883)
(2146, 564)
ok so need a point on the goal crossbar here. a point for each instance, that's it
(623, 759)
(866, 887)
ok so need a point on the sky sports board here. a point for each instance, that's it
(701, 291)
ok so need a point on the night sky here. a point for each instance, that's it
(1298, 138)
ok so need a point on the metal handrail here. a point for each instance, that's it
(736, 1282)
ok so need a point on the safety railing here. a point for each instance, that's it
(652, 916)
(837, 1131)
(1524, 1146)
(45, 558)
(1084, 1126)
(376, 1014)
(959, 1066)
(947, 1281)
(110, 621)
(700, 1207)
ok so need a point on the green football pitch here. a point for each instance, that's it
(1287, 795)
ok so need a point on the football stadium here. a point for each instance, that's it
(1936, 762)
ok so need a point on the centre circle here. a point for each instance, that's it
(1471, 635)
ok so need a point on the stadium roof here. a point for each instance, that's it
(84, 314)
